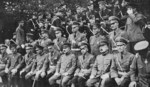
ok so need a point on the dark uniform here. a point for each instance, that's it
(140, 73)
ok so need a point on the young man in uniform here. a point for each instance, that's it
(140, 72)
(121, 63)
(101, 67)
(65, 67)
(12, 67)
(26, 65)
(84, 66)
(3, 62)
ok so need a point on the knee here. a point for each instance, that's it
(51, 81)
(89, 83)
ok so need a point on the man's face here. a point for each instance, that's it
(7, 42)
(34, 17)
(21, 23)
(101, 6)
(114, 24)
(84, 49)
(3, 49)
(28, 50)
(121, 46)
(13, 49)
(51, 48)
(75, 28)
(38, 51)
(66, 49)
(58, 33)
(95, 30)
(103, 48)
(45, 35)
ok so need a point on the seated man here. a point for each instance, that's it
(139, 69)
(84, 67)
(121, 63)
(65, 67)
(101, 67)
(49, 66)
(37, 67)
(3, 62)
(12, 67)
(26, 65)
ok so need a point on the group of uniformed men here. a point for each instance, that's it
(103, 60)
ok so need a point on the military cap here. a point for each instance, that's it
(66, 45)
(3, 46)
(14, 33)
(113, 18)
(102, 43)
(29, 46)
(58, 29)
(59, 14)
(29, 34)
(39, 47)
(132, 5)
(141, 45)
(75, 23)
(44, 31)
(102, 2)
(84, 44)
(121, 39)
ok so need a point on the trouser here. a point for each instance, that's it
(25, 82)
(64, 80)
(79, 81)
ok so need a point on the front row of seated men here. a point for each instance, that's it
(65, 69)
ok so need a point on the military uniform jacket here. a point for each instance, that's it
(14, 61)
(39, 62)
(27, 61)
(140, 71)
(59, 42)
(85, 64)
(134, 30)
(102, 65)
(118, 33)
(3, 60)
(51, 61)
(94, 43)
(66, 64)
(121, 64)
(79, 37)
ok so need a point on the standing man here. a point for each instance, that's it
(20, 34)
(134, 26)
(121, 63)
(140, 72)
(65, 67)
(84, 67)
(101, 67)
